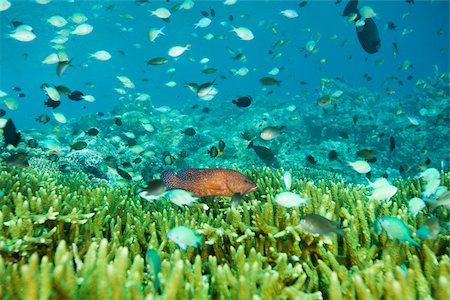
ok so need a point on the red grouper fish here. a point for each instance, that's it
(209, 182)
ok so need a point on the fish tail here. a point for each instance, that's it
(414, 243)
(170, 179)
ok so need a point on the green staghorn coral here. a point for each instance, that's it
(62, 237)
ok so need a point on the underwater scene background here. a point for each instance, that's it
(224, 149)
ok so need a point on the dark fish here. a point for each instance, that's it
(78, 145)
(124, 174)
(118, 121)
(311, 159)
(231, 18)
(337, 2)
(92, 131)
(10, 135)
(409, 77)
(53, 157)
(343, 134)
(391, 25)
(368, 35)
(76, 96)
(204, 13)
(63, 90)
(302, 4)
(62, 66)
(16, 23)
(366, 153)
(213, 152)
(209, 71)
(131, 142)
(206, 110)
(269, 81)
(154, 262)
(409, 1)
(157, 61)
(189, 131)
(183, 153)
(317, 224)
(355, 119)
(212, 12)
(2, 112)
(44, 119)
(16, 88)
(111, 162)
(303, 82)
(263, 152)
(52, 104)
(154, 187)
(32, 143)
(391, 144)
(21, 95)
(243, 101)
(221, 145)
(100, 114)
(332, 155)
(427, 161)
(18, 160)
(137, 160)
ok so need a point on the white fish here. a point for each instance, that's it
(289, 13)
(120, 91)
(126, 81)
(241, 71)
(360, 166)
(184, 236)
(57, 21)
(288, 199)
(88, 98)
(180, 197)
(229, 2)
(4, 5)
(208, 36)
(415, 205)
(287, 180)
(154, 33)
(162, 13)
(187, 4)
(274, 71)
(378, 183)
(431, 187)
(143, 97)
(243, 33)
(59, 39)
(337, 94)
(383, 193)
(50, 59)
(430, 174)
(177, 50)
(51, 92)
(203, 23)
(60, 118)
(82, 29)
(171, 83)
(367, 12)
(11, 103)
(78, 18)
(22, 35)
(204, 60)
(101, 55)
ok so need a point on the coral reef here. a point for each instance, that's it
(65, 237)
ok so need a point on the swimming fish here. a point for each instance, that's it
(316, 224)
(184, 236)
(154, 190)
(288, 199)
(154, 262)
(396, 229)
(209, 182)
(18, 160)
(243, 101)
(180, 197)
(11, 136)
(263, 152)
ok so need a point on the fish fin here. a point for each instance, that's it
(250, 145)
(414, 243)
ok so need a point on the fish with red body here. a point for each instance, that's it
(209, 182)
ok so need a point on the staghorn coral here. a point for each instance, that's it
(63, 237)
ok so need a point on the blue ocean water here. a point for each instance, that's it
(22, 67)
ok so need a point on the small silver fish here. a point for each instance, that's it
(317, 224)
(396, 229)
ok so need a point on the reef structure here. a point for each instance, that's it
(65, 237)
